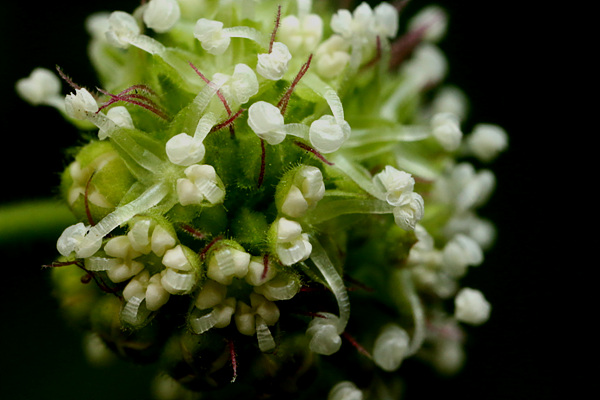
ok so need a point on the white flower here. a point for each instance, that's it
(227, 263)
(408, 214)
(323, 333)
(487, 141)
(459, 253)
(161, 15)
(358, 25)
(246, 316)
(72, 237)
(122, 28)
(124, 266)
(432, 20)
(390, 347)
(274, 65)
(292, 245)
(148, 288)
(211, 36)
(302, 34)
(386, 20)
(40, 87)
(332, 57)
(178, 277)
(471, 307)
(427, 66)
(306, 191)
(326, 135)
(345, 390)
(446, 129)
(182, 149)
(81, 104)
(241, 85)
(396, 184)
(201, 185)
(267, 122)
(120, 116)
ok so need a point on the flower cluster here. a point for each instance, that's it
(256, 170)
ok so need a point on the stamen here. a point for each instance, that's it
(67, 78)
(315, 152)
(261, 175)
(266, 268)
(277, 23)
(357, 345)
(233, 358)
(135, 99)
(282, 105)
(228, 122)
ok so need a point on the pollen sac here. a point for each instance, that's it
(270, 191)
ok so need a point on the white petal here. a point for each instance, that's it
(40, 86)
(162, 15)
(243, 83)
(390, 347)
(210, 34)
(80, 104)
(274, 65)
(182, 149)
(122, 28)
(471, 306)
(267, 122)
(326, 135)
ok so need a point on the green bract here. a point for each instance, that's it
(277, 195)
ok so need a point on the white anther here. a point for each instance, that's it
(345, 390)
(71, 239)
(161, 15)
(267, 122)
(446, 129)
(471, 307)
(184, 150)
(42, 86)
(385, 20)
(274, 65)
(326, 135)
(201, 186)
(139, 236)
(433, 20)
(390, 347)
(227, 263)
(176, 258)
(211, 36)
(125, 267)
(302, 33)
(305, 193)
(408, 214)
(211, 294)
(243, 83)
(397, 184)
(80, 104)
(161, 241)
(156, 295)
(332, 57)
(258, 273)
(292, 245)
(268, 310)
(487, 141)
(323, 334)
(120, 116)
(460, 253)
(122, 28)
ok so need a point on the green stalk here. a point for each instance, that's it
(33, 219)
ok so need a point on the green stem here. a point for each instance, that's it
(33, 219)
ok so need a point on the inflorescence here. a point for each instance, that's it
(257, 170)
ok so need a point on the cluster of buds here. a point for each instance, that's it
(257, 169)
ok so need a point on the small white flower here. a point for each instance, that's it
(122, 28)
(148, 288)
(211, 36)
(274, 65)
(459, 253)
(161, 15)
(450, 99)
(305, 193)
(487, 141)
(396, 184)
(427, 66)
(446, 129)
(408, 214)
(326, 135)
(40, 87)
(358, 25)
(72, 237)
(182, 149)
(246, 316)
(386, 20)
(125, 266)
(471, 307)
(241, 85)
(432, 20)
(267, 122)
(178, 277)
(292, 245)
(227, 263)
(332, 57)
(301, 34)
(201, 185)
(345, 390)
(80, 104)
(257, 275)
(323, 333)
(390, 347)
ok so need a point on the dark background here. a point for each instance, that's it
(499, 55)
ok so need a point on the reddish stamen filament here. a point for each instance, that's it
(315, 152)
(233, 359)
(266, 268)
(196, 234)
(277, 22)
(261, 175)
(283, 103)
(135, 99)
(208, 246)
(357, 345)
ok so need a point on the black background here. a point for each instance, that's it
(500, 55)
